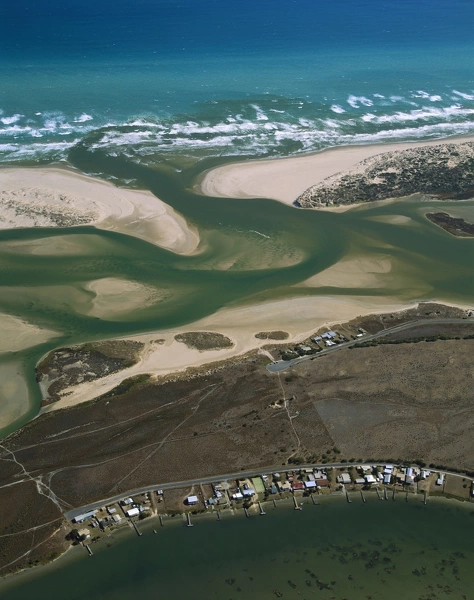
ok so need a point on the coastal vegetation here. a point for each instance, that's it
(444, 170)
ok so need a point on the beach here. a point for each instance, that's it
(59, 197)
(284, 179)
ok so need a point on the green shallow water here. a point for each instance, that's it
(253, 250)
(379, 550)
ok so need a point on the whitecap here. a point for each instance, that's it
(83, 118)
(336, 108)
(463, 95)
(356, 101)
(11, 120)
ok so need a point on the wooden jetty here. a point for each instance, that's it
(425, 499)
(349, 501)
(274, 503)
(297, 506)
(385, 497)
(161, 520)
(393, 493)
(218, 512)
(88, 548)
(362, 496)
(246, 512)
(378, 493)
(139, 533)
(262, 512)
(188, 520)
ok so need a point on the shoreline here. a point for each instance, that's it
(55, 196)
(147, 526)
(283, 179)
(167, 357)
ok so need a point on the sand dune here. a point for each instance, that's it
(284, 179)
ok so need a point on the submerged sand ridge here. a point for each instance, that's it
(54, 197)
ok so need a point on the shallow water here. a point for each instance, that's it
(253, 250)
(380, 550)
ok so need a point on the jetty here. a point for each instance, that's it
(362, 496)
(88, 548)
(297, 506)
(139, 533)
(188, 520)
(262, 512)
(349, 501)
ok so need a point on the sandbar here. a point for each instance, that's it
(58, 197)
(299, 316)
(18, 334)
(284, 179)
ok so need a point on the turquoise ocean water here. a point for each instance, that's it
(113, 87)
(230, 78)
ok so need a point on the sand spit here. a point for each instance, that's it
(55, 197)
(19, 335)
(163, 355)
(285, 179)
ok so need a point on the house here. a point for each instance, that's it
(111, 510)
(344, 478)
(322, 482)
(387, 478)
(192, 500)
(298, 485)
(440, 480)
(117, 518)
(249, 492)
(84, 533)
(237, 496)
(133, 512)
(126, 502)
(359, 481)
(310, 485)
(370, 479)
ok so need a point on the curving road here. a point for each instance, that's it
(282, 365)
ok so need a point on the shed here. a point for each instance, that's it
(370, 479)
(84, 516)
(191, 500)
(249, 492)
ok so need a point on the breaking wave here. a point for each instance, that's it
(263, 126)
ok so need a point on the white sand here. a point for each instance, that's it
(19, 335)
(284, 179)
(298, 316)
(54, 197)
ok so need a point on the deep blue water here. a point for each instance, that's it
(228, 78)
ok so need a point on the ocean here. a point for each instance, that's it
(120, 88)
(267, 78)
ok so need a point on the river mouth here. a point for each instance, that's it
(250, 253)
